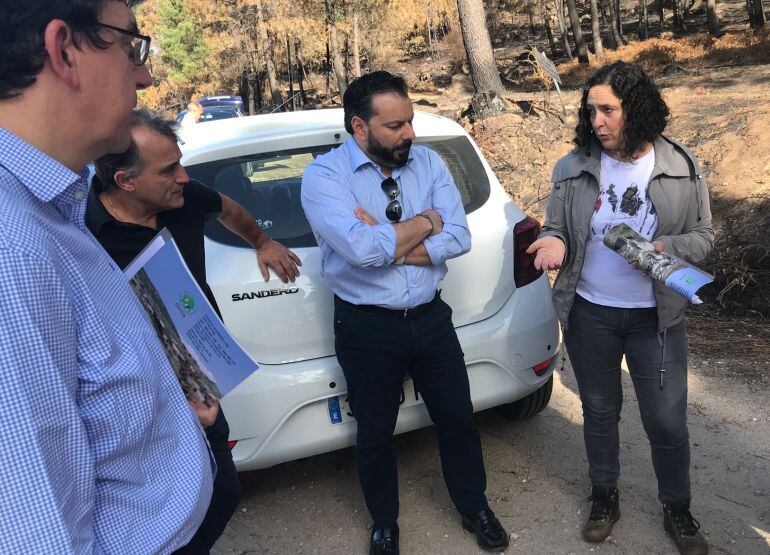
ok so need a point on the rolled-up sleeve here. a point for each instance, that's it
(455, 238)
(329, 207)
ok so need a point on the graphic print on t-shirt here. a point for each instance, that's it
(634, 207)
(607, 278)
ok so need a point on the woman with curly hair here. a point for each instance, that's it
(623, 170)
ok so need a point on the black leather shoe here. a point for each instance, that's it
(384, 541)
(490, 534)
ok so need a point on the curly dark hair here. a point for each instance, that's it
(644, 111)
(22, 24)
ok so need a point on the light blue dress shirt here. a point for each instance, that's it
(101, 453)
(357, 259)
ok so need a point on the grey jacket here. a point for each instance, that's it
(678, 192)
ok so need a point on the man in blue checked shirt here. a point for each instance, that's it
(101, 452)
(387, 215)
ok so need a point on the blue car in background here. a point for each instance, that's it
(223, 100)
(218, 107)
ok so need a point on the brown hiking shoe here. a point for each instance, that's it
(605, 511)
(683, 529)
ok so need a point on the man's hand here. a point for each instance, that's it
(206, 415)
(550, 253)
(659, 246)
(283, 262)
(435, 219)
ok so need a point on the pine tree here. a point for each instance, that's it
(181, 43)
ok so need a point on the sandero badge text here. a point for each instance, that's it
(262, 294)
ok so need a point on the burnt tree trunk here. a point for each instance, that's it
(757, 18)
(596, 30)
(300, 70)
(547, 24)
(619, 19)
(617, 35)
(712, 21)
(290, 72)
(661, 14)
(267, 50)
(478, 47)
(644, 28)
(339, 70)
(356, 52)
(580, 44)
(559, 5)
(532, 28)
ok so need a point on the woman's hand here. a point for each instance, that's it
(550, 253)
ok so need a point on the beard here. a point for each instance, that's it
(389, 157)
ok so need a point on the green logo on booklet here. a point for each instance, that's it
(186, 304)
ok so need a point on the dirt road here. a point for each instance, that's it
(537, 482)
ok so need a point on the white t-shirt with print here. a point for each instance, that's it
(607, 278)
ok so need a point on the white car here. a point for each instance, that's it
(295, 405)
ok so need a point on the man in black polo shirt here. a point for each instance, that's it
(136, 194)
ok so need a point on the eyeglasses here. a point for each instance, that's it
(139, 50)
(393, 211)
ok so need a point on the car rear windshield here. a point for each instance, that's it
(268, 186)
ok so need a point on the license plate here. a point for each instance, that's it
(339, 408)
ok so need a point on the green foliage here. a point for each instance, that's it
(182, 46)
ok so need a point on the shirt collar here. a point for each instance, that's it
(43, 176)
(359, 158)
(96, 214)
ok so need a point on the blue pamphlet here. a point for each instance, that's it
(206, 359)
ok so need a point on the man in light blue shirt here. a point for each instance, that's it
(101, 453)
(387, 215)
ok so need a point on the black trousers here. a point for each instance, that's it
(375, 352)
(597, 338)
(226, 493)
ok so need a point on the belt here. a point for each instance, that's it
(404, 313)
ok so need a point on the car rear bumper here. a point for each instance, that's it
(499, 352)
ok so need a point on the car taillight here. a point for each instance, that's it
(524, 234)
(231, 444)
(541, 368)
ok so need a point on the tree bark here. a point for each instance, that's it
(617, 36)
(559, 5)
(257, 91)
(339, 70)
(619, 20)
(547, 24)
(481, 59)
(356, 53)
(712, 22)
(300, 70)
(531, 16)
(757, 18)
(290, 72)
(580, 44)
(661, 14)
(644, 28)
(267, 50)
(596, 30)
(491, 19)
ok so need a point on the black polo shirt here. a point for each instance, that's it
(123, 241)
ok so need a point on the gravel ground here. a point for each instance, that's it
(538, 482)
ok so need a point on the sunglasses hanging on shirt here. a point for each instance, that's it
(393, 211)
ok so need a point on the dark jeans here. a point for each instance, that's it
(375, 352)
(597, 338)
(225, 496)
